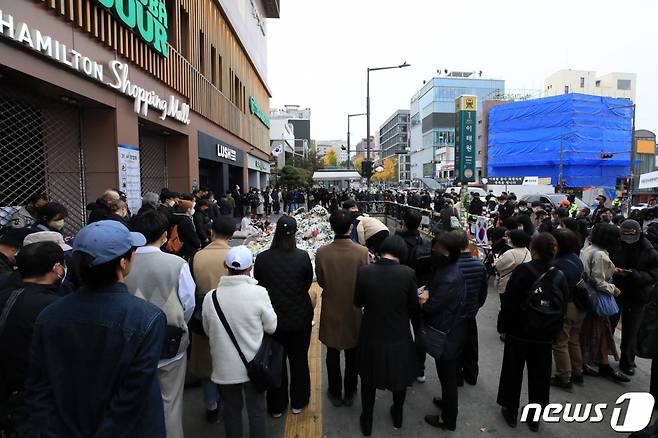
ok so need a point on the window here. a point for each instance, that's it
(184, 33)
(202, 53)
(582, 82)
(173, 25)
(566, 89)
(597, 83)
(220, 75)
(623, 84)
(213, 65)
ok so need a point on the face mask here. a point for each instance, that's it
(354, 214)
(56, 225)
(192, 212)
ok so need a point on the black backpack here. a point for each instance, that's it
(420, 257)
(544, 307)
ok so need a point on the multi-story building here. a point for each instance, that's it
(300, 119)
(393, 135)
(362, 145)
(432, 122)
(95, 96)
(617, 85)
(282, 140)
(338, 146)
(404, 168)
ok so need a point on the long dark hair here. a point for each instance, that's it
(283, 241)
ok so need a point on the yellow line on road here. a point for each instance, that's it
(308, 424)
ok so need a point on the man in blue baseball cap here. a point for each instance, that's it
(102, 344)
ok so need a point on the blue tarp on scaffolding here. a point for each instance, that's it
(525, 138)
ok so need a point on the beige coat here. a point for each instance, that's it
(208, 265)
(336, 266)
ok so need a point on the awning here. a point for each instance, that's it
(336, 175)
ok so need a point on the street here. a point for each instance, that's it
(479, 415)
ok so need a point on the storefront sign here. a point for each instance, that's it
(129, 176)
(255, 110)
(147, 18)
(516, 180)
(255, 163)
(465, 164)
(648, 180)
(118, 71)
(211, 148)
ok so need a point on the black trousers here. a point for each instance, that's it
(295, 346)
(421, 354)
(368, 399)
(631, 317)
(467, 364)
(336, 383)
(518, 353)
(447, 372)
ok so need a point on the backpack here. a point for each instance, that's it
(544, 307)
(174, 244)
(420, 257)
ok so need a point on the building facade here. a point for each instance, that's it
(300, 119)
(362, 146)
(338, 146)
(95, 96)
(432, 121)
(617, 85)
(393, 135)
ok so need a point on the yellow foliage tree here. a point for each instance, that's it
(390, 171)
(357, 163)
(330, 158)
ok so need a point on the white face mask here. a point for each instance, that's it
(192, 211)
(56, 225)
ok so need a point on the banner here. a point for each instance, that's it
(129, 176)
(465, 165)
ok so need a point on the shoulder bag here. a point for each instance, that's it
(265, 369)
(606, 305)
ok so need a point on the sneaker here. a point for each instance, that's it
(335, 400)
(562, 382)
(212, 415)
(609, 373)
(421, 379)
(577, 379)
(629, 371)
(297, 411)
(277, 415)
(510, 417)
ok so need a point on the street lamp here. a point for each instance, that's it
(349, 159)
(368, 106)
(632, 175)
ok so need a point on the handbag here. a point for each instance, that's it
(264, 371)
(432, 339)
(606, 304)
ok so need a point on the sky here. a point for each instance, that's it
(318, 51)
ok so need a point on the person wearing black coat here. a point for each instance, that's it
(386, 290)
(186, 230)
(637, 272)
(286, 272)
(475, 277)
(202, 221)
(477, 206)
(443, 307)
(523, 348)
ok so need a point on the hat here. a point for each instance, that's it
(475, 194)
(14, 237)
(106, 240)
(166, 193)
(46, 236)
(185, 205)
(565, 203)
(630, 231)
(239, 258)
(288, 224)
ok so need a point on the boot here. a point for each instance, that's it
(396, 415)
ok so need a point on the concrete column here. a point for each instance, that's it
(224, 183)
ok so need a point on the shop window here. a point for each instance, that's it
(202, 53)
(184, 34)
(213, 65)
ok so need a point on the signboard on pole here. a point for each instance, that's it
(648, 180)
(129, 176)
(465, 167)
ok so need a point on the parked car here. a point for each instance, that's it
(551, 201)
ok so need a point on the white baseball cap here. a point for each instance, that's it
(46, 236)
(239, 258)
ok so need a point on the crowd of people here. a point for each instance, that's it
(100, 329)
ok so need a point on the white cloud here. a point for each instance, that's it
(319, 50)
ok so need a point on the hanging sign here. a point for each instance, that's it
(129, 176)
(465, 115)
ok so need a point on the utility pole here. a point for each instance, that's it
(349, 116)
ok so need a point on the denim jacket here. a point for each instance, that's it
(93, 366)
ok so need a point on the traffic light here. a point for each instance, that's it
(366, 168)
(605, 155)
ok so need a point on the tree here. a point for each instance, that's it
(357, 163)
(293, 177)
(390, 171)
(330, 158)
